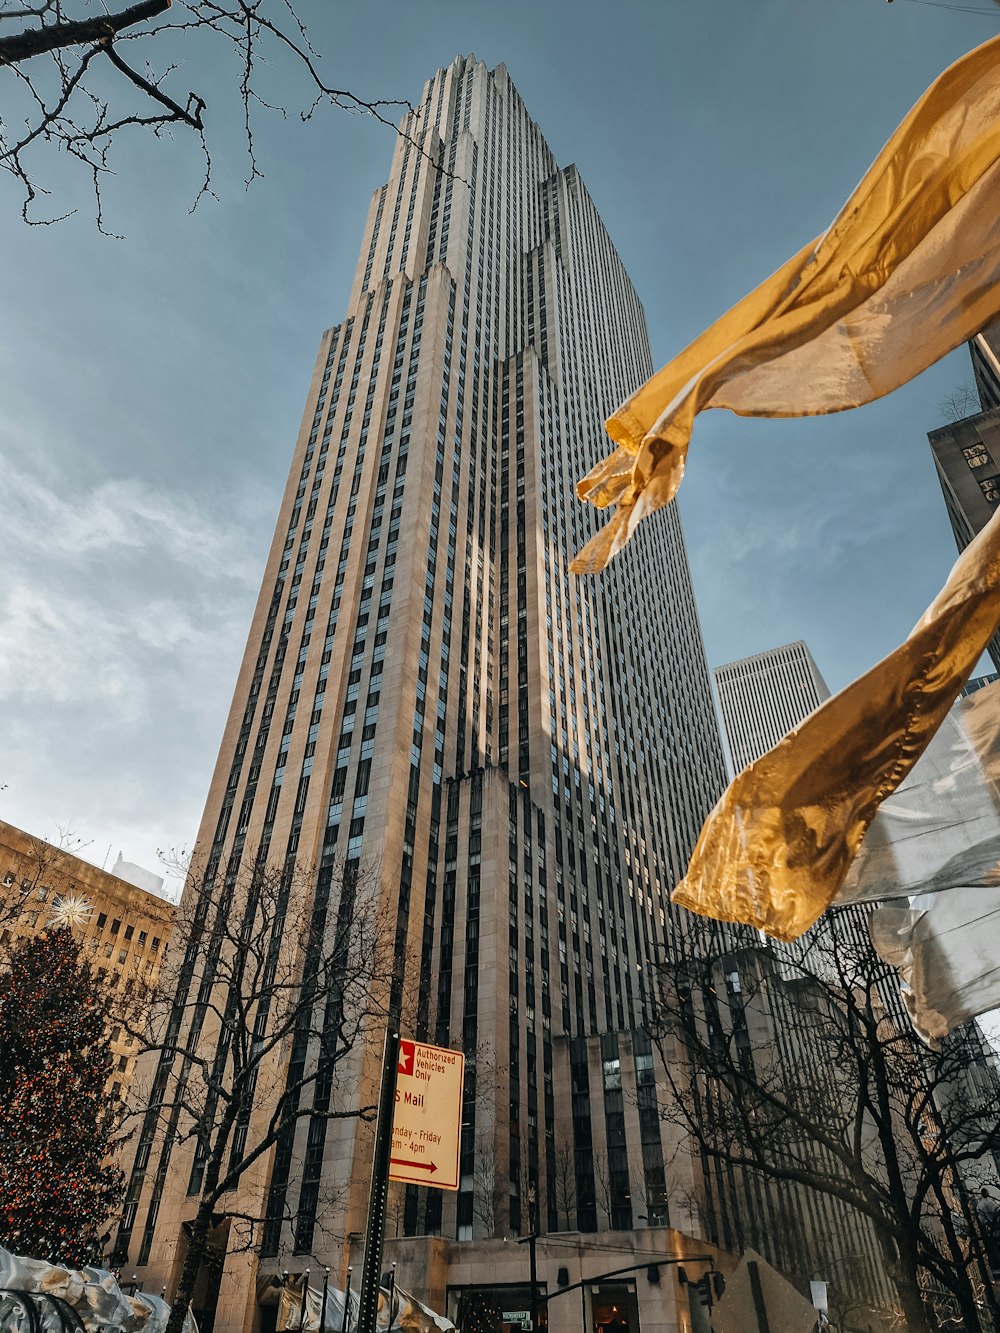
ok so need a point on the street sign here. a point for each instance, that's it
(427, 1121)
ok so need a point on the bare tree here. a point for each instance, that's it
(77, 80)
(961, 402)
(486, 1195)
(278, 976)
(797, 1071)
(484, 1081)
(526, 1178)
(563, 1172)
(602, 1185)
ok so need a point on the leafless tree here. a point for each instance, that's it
(486, 1196)
(395, 1208)
(277, 978)
(602, 1185)
(484, 1081)
(798, 1071)
(77, 80)
(961, 402)
(563, 1173)
(526, 1178)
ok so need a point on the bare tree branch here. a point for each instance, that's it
(51, 64)
(847, 1104)
(39, 41)
(277, 973)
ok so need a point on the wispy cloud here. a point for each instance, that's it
(122, 615)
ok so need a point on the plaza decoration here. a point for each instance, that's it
(38, 1295)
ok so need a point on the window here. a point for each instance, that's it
(976, 455)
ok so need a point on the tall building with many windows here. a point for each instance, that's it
(764, 696)
(530, 756)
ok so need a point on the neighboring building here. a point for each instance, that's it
(979, 682)
(530, 756)
(764, 696)
(761, 698)
(967, 454)
(124, 928)
(985, 350)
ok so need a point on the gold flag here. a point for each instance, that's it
(909, 269)
(776, 849)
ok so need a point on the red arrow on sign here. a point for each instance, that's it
(421, 1166)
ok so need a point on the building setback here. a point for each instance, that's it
(530, 756)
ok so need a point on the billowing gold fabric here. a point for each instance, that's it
(909, 269)
(776, 849)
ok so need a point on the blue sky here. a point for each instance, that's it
(151, 387)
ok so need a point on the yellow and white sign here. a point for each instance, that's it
(427, 1121)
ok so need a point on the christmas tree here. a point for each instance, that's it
(58, 1188)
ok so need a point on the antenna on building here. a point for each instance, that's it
(104, 863)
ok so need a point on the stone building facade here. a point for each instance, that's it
(125, 929)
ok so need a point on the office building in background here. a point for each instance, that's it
(120, 918)
(967, 452)
(764, 696)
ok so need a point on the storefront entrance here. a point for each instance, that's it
(500, 1309)
(614, 1308)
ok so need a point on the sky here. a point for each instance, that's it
(151, 386)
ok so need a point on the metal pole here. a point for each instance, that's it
(305, 1293)
(322, 1308)
(347, 1301)
(534, 1281)
(372, 1271)
(392, 1291)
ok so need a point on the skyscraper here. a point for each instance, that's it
(967, 454)
(764, 696)
(530, 756)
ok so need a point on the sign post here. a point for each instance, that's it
(427, 1124)
(370, 1274)
(418, 1131)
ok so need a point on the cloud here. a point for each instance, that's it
(119, 513)
(122, 616)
